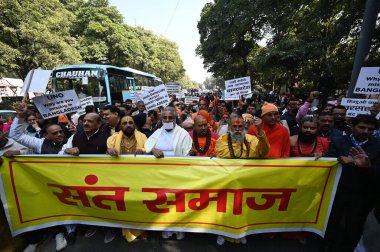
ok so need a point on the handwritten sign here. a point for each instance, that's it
(84, 102)
(368, 81)
(136, 96)
(238, 87)
(226, 97)
(357, 106)
(156, 97)
(173, 88)
(191, 99)
(56, 104)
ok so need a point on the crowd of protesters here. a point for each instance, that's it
(259, 127)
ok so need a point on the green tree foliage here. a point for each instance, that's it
(161, 57)
(33, 36)
(50, 33)
(305, 40)
(228, 32)
(214, 83)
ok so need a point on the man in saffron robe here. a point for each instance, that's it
(203, 139)
(237, 144)
(278, 135)
(127, 141)
(307, 143)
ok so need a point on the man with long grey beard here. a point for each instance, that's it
(237, 144)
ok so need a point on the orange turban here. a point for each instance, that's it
(205, 114)
(267, 108)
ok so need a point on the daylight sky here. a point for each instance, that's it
(176, 20)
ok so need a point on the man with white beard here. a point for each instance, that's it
(237, 144)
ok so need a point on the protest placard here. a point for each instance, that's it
(37, 81)
(368, 81)
(180, 95)
(84, 102)
(227, 97)
(56, 104)
(357, 106)
(136, 96)
(155, 97)
(238, 87)
(173, 88)
(145, 88)
(191, 99)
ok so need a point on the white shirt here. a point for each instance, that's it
(165, 143)
(17, 133)
(182, 142)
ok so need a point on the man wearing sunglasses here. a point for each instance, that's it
(51, 143)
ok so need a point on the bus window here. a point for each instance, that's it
(92, 88)
(118, 84)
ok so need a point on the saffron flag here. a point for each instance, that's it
(231, 197)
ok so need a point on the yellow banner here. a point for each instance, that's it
(221, 196)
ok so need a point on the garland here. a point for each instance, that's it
(311, 152)
(231, 149)
(196, 143)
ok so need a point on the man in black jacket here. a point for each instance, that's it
(92, 140)
(358, 187)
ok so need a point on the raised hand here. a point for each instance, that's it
(21, 110)
(360, 158)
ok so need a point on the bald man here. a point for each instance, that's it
(92, 140)
(204, 139)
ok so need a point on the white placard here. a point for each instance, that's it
(368, 81)
(191, 99)
(238, 87)
(156, 97)
(230, 98)
(357, 106)
(56, 104)
(136, 96)
(39, 81)
(180, 95)
(172, 88)
(84, 102)
(145, 88)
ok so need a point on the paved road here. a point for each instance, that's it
(192, 242)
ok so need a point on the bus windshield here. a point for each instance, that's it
(106, 84)
(84, 81)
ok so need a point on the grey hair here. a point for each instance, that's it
(234, 116)
(170, 109)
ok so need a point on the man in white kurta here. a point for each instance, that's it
(170, 139)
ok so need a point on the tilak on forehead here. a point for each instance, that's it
(127, 119)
